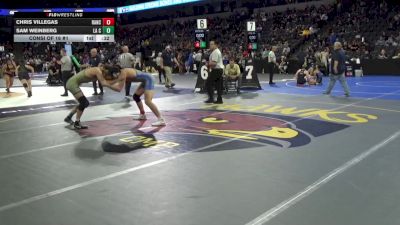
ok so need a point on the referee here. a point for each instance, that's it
(167, 63)
(126, 60)
(271, 64)
(66, 69)
(94, 61)
(215, 76)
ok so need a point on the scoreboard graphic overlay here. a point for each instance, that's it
(64, 27)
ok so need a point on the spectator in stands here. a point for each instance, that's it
(380, 42)
(189, 62)
(197, 59)
(45, 66)
(38, 64)
(286, 49)
(181, 62)
(382, 54)
(391, 42)
(332, 38)
(264, 57)
(283, 65)
(397, 56)
(397, 38)
(354, 46)
(324, 67)
(225, 58)
(366, 55)
(309, 59)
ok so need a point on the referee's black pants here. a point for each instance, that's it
(128, 85)
(198, 65)
(215, 80)
(127, 88)
(65, 75)
(95, 86)
(271, 72)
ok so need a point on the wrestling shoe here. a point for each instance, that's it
(139, 117)
(159, 123)
(209, 101)
(219, 101)
(68, 120)
(79, 126)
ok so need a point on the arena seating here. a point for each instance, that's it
(364, 29)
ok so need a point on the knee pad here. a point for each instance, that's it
(136, 98)
(83, 103)
(25, 85)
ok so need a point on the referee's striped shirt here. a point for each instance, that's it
(126, 60)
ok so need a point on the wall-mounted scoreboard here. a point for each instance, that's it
(251, 35)
(201, 39)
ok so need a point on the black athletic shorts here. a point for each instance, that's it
(24, 76)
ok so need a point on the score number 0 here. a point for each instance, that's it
(108, 21)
